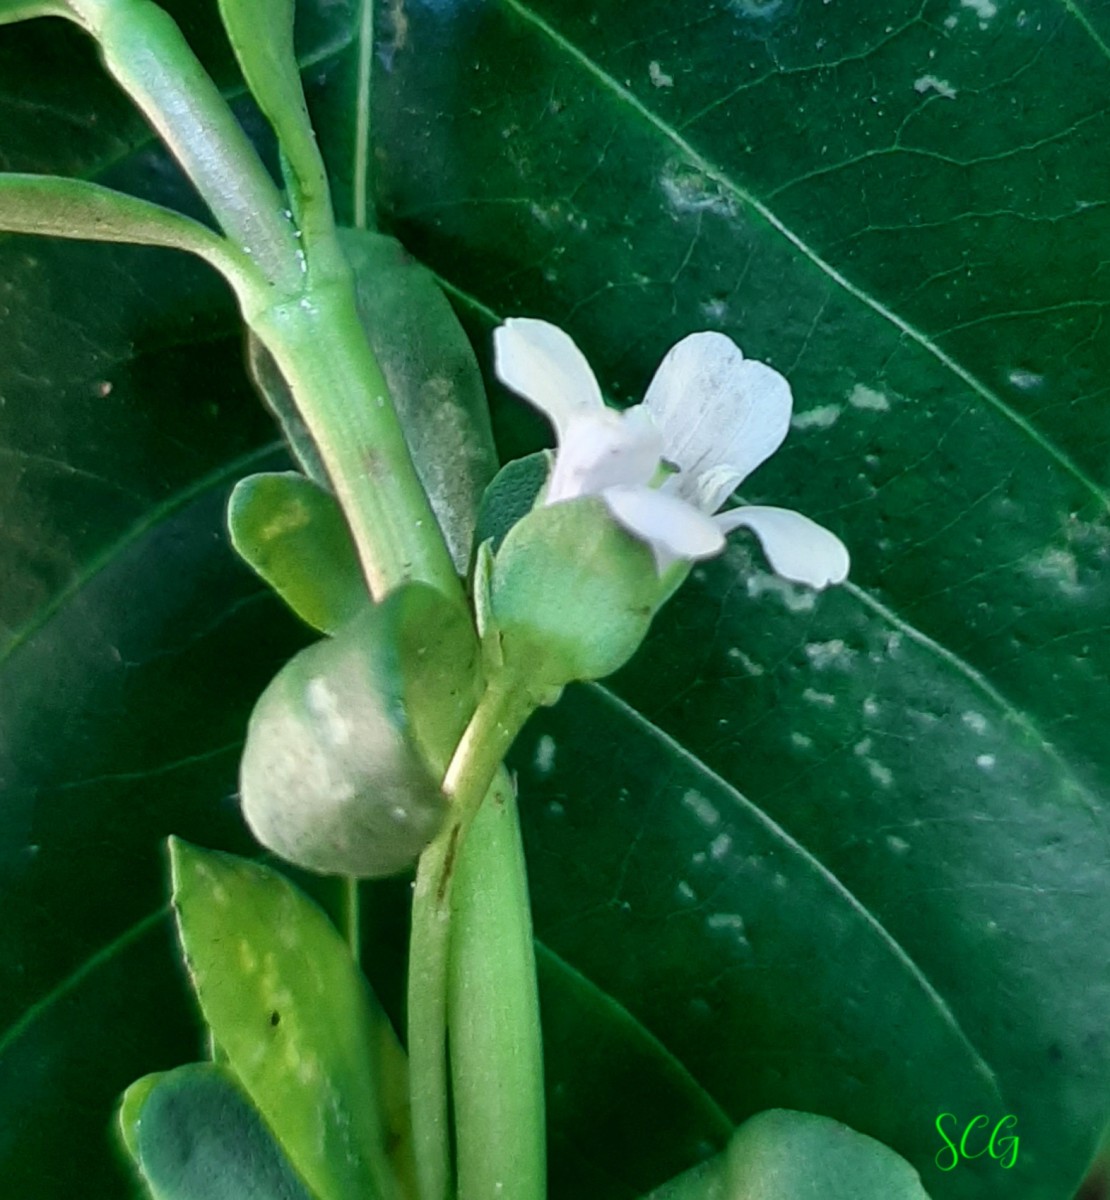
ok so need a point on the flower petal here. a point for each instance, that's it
(674, 529)
(718, 412)
(797, 548)
(602, 449)
(541, 363)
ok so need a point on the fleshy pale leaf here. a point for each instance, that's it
(292, 533)
(511, 495)
(346, 747)
(195, 1136)
(289, 1009)
(781, 1155)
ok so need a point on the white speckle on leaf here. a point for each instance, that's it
(897, 845)
(824, 699)
(975, 721)
(732, 923)
(801, 740)
(983, 9)
(703, 809)
(685, 891)
(715, 310)
(544, 759)
(825, 654)
(735, 654)
(823, 417)
(868, 398)
(985, 761)
(795, 598)
(930, 83)
(690, 191)
(659, 78)
(881, 774)
(1057, 566)
(1027, 381)
(870, 707)
(862, 748)
(720, 846)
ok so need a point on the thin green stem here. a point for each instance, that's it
(320, 348)
(363, 217)
(493, 1015)
(496, 722)
(352, 921)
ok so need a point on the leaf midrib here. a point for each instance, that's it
(153, 517)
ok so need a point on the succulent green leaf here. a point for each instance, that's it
(782, 1155)
(510, 496)
(288, 1007)
(347, 746)
(292, 533)
(130, 1111)
(433, 378)
(195, 1136)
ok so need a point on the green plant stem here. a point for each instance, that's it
(493, 1018)
(301, 303)
(496, 722)
(363, 214)
(146, 53)
(352, 925)
(320, 348)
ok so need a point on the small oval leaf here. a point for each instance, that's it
(290, 1010)
(345, 748)
(195, 1136)
(291, 532)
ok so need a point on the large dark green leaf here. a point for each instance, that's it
(845, 854)
(893, 899)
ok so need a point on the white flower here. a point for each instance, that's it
(709, 412)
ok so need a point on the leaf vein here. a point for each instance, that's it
(893, 945)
